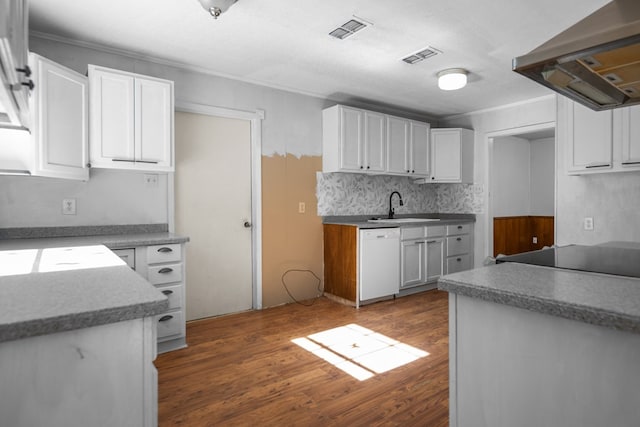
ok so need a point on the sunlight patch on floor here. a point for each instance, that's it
(358, 351)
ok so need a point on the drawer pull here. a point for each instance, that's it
(459, 227)
(167, 292)
(165, 318)
(431, 241)
(459, 239)
(165, 270)
(165, 249)
(459, 259)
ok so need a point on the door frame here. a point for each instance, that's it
(489, 137)
(255, 118)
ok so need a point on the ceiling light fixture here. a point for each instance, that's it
(216, 7)
(452, 79)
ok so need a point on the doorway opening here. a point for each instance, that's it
(521, 214)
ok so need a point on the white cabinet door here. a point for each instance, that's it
(131, 121)
(351, 139)
(630, 137)
(412, 258)
(397, 145)
(435, 259)
(374, 141)
(590, 139)
(59, 114)
(452, 155)
(112, 117)
(153, 119)
(419, 154)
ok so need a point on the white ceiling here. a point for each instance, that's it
(285, 43)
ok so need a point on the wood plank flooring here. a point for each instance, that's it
(243, 369)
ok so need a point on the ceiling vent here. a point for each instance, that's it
(421, 55)
(348, 29)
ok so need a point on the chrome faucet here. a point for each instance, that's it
(391, 211)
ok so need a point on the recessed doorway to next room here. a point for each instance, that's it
(523, 185)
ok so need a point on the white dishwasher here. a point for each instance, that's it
(379, 262)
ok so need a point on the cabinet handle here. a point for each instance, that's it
(165, 270)
(431, 241)
(26, 70)
(368, 167)
(630, 163)
(165, 249)
(459, 239)
(459, 227)
(155, 162)
(361, 167)
(408, 171)
(123, 160)
(598, 165)
(167, 292)
(459, 259)
(165, 318)
(433, 177)
(135, 161)
(413, 171)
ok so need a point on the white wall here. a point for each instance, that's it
(510, 182)
(506, 119)
(542, 177)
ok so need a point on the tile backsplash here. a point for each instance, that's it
(359, 194)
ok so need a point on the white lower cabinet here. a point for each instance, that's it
(163, 266)
(459, 248)
(422, 255)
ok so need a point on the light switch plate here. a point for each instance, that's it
(68, 206)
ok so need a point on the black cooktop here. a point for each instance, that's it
(596, 259)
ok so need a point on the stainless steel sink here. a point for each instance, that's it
(401, 220)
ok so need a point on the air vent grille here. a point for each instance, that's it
(348, 29)
(421, 55)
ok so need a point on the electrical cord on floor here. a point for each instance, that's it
(293, 270)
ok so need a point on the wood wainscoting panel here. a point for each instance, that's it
(341, 260)
(514, 234)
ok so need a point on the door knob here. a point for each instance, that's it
(247, 224)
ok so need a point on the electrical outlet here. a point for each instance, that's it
(301, 207)
(150, 180)
(588, 223)
(535, 240)
(68, 206)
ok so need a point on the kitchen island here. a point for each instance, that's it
(77, 338)
(538, 346)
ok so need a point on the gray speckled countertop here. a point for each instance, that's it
(598, 299)
(43, 291)
(361, 221)
(94, 288)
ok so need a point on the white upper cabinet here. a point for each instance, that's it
(589, 139)
(356, 140)
(630, 118)
(398, 146)
(59, 117)
(451, 155)
(131, 121)
(353, 140)
(375, 143)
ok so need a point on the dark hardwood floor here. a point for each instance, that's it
(243, 369)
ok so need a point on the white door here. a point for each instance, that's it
(213, 203)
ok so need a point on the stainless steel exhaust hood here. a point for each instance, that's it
(596, 62)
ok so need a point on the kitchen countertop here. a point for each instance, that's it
(55, 279)
(43, 291)
(598, 299)
(361, 221)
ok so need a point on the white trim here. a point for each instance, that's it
(498, 108)
(489, 138)
(255, 118)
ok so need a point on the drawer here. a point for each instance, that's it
(453, 230)
(168, 273)
(170, 323)
(435, 231)
(127, 255)
(411, 233)
(458, 263)
(174, 294)
(164, 253)
(457, 245)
